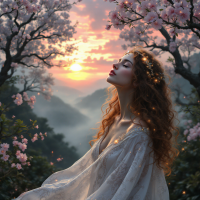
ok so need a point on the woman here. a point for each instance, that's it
(133, 148)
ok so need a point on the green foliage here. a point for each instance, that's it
(184, 181)
(170, 59)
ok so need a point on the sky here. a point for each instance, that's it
(98, 48)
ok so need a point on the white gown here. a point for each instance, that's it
(120, 172)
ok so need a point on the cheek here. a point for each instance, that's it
(126, 73)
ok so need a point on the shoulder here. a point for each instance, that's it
(139, 122)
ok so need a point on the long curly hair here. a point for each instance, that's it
(152, 104)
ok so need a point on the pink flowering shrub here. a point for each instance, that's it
(15, 128)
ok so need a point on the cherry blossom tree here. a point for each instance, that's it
(33, 33)
(173, 19)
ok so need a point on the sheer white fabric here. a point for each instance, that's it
(120, 172)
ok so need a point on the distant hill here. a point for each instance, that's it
(58, 113)
(93, 101)
(67, 94)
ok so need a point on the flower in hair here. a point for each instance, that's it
(156, 79)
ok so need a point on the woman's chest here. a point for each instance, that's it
(112, 135)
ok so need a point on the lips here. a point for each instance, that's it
(113, 72)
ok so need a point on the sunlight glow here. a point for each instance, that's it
(75, 67)
(78, 76)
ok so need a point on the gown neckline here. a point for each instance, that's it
(133, 128)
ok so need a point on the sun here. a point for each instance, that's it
(75, 67)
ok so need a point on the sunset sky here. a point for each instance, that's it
(98, 47)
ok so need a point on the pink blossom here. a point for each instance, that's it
(144, 5)
(171, 12)
(15, 143)
(19, 166)
(22, 146)
(45, 133)
(188, 138)
(193, 136)
(25, 95)
(25, 140)
(28, 36)
(157, 24)
(5, 157)
(152, 5)
(13, 165)
(118, 25)
(42, 137)
(59, 159)
(172, 46)
(177, 5)
(185, 132)
(28, 163)
(35, 135)
(37, 126)
(40, 134)
(13, 96)
(15, 65)
(113, 15)
(15, 138)
(120, 6)
(108, 27)
(155, 52)
(32, 101)
(18, 99)
(33, 139)
(22, 136)
(2, 151)
(150, 17)
(164, 15)
(22, 157)
(172, 32)
(18, 153)
(5, 146)
(23, 163)
(13, 116)
(51, 163)
(184, 14)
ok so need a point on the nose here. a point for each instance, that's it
(114, 66)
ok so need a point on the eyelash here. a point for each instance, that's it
(123, 65)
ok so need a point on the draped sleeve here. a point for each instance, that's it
(123, 171)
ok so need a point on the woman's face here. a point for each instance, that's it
(124, 72)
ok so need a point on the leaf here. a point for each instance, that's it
(161, 9)
(177, 34)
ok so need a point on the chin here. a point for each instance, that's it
(108, 80)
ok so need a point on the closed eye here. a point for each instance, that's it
(125, 65)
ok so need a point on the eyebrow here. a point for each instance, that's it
(126, 60)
